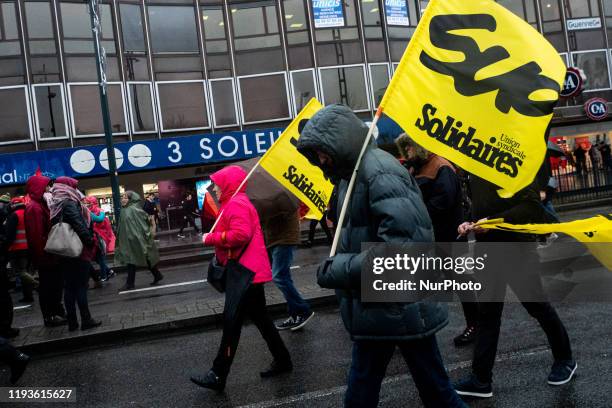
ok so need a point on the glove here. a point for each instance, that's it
(323, 271)
(204, 237)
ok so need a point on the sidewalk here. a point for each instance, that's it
(183, 301)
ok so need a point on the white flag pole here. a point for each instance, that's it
(349, 190)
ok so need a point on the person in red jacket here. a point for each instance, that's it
(38, 225)
(18, 248)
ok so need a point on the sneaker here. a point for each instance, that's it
(301, 321)
(111, 274)
(209, 380)
(18, 367)
(287, 324)
(90, 324)
(467, 337)
(55, 321)
(277, 368)
(562, 372)
(180, 236)
(473, 388)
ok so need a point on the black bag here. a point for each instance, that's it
(217, 273)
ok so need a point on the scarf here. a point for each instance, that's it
(62, 193)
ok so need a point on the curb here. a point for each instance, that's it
(152, 331)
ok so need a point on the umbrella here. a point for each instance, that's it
(554, 150)
(267, 195)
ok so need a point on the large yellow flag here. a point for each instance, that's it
(595, 233)
(294, 171)
(477, 85)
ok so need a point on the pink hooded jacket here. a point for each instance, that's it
(104, 228)
(239, 226)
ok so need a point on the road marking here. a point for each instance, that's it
(172, 285)
(21, 307)
(293, 399)
(295, 267)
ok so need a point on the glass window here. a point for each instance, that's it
(87, 113)
(297, 28)
(608, 13)
(372, 25)
(76, 28)
(400, 36)
(525, 9)
(264, 98)
(14, 115)
(50, 113)
(141, 107)
(582, 8)
(584, 39)
(342, 45)
(257, 41)
(216, 44)
(12, 71)
(40, 34)
(379, 75)
(595, 67)
(304, 88)
(345, 85)
(552, 24)
(224, 102)
(182, 105)
(173, 29)
(132, 28)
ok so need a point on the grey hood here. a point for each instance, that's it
(338, 132)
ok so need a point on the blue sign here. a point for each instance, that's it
(397, 13)
(87, 161)
(328, 13)
(201, 190)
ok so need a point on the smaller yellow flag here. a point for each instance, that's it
(291, 169)
(595, 233)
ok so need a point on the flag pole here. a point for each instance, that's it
(349, 190)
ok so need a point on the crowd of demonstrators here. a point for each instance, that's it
(106, 237)
(238, 238)
(441, 190)
(67, 207)
(282, 235)
(386, 206)
(524, 207)
(50, 275)
(136, 245)
(190, 212)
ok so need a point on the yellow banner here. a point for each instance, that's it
(477, 85)
(594, 232)
(294, 171)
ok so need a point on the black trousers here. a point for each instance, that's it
(131, 273)
(8, 353)
(50, 291)
(6, 302)
(76, 282)
(313, 227)
(253, 305)
(526, 284)
(189, 220)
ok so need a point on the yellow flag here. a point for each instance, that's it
(477, 85)
(294, 171)
(594, 232)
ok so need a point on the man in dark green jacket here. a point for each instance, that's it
(386, 206)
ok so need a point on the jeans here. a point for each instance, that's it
(253, 304)
(369, 364)
(50, 291)
(76, 280)
(282, 257)
(104, 269)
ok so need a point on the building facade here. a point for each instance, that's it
(191, 68)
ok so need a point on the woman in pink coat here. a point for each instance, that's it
(238, 236)
(103, 228)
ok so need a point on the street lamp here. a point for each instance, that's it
(96, 28)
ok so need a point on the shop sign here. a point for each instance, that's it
(88, 161)
(583, 24)
(397, 13)
(596, 108)
(573, 83)
(328, 13)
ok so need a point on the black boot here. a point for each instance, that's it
(55, 321)
(18, 367)
(157, 277)
(277, 368)
(209, 380)
(90, 324)
(467, 337)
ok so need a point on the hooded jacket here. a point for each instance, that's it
(135, 243)
(15, 227)
(238, 231)
(37, 222)
(386, 206)
(102, 228)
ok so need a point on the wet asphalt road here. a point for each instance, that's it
(155, 372)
